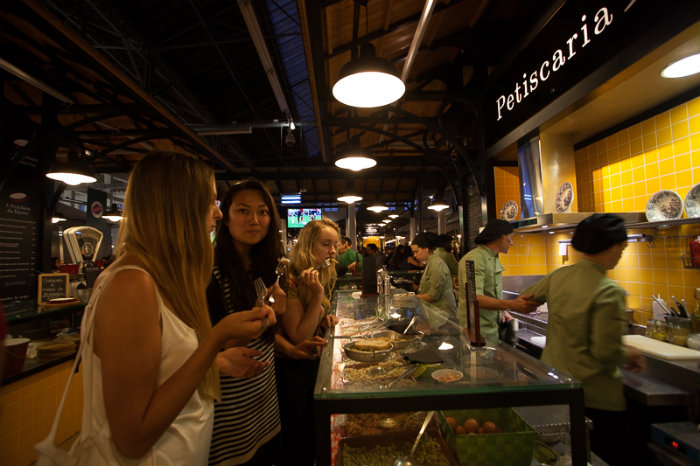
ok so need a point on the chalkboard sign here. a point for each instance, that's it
(52, 285)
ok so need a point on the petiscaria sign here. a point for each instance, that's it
(589, 30)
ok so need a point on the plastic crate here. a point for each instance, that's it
(512, 447)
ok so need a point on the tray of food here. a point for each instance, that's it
(375, 373)
(357, 425)
(399, 340)
(384, 449)
(369, 349)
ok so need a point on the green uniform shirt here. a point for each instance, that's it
(449, 259)
(437, 283)
(348, 257)
(584, 330)
(489, 282)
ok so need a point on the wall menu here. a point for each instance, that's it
(20, 220)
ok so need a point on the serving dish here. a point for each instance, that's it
(447, 375)
(565, 197)
(366, 356)
(399, 340)
(692, 202)
(509, 211)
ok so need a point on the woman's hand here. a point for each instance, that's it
(308, 349)
(329, 321)
(240, 362)
(278, 299)
(245, 325)
(310, 278)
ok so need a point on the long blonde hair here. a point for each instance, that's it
(168, 230)
(301, 257)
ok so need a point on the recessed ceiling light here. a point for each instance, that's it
(684, 67)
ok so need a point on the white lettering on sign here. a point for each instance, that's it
(602, 19)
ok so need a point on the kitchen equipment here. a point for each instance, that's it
(408, 461)
(678, 330)
(413, 320)
(661, 304)
(677, 439)
(408, 371)
(660, 349)
(366, 356)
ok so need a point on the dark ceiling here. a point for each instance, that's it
(118, 78)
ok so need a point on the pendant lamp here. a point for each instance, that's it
(113, 214)
(438, 206)
(71, 174)
(377, 208)
(368, 81)
(349, 198)
(354, 157)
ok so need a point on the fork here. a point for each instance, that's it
(326, 263)
(281, 268)
(260, 290)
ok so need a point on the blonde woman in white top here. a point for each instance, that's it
(149, 372)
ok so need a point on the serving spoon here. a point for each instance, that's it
(408, 460)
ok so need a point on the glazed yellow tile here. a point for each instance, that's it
(636, 146)
(653, 185)
(668, 181)
(681, 146)
(667, 166)
(694, 125)
(648, 127)
(627, 190)
(684, 180)
(662, 120)
(626, 178)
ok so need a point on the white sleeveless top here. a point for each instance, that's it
(186, 441)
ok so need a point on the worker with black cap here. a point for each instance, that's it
(585, 327)
(496, 238)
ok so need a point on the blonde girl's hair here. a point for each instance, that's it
(167, 228)
(301, 257)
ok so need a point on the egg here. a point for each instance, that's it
(459, 430)
(490, 427)
(452, 422)
(471, 425)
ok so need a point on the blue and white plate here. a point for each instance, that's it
(664, 205)
(565, 197)
(509, 212)
(692, 202)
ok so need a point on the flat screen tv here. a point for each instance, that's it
(297, 218)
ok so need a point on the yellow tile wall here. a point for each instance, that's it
(507, 187)
(622, 171)
(619, 174)
(27, 410)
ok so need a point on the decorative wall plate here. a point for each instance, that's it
(692, 202)
(509, 211)
(664, 205)
(565, 197)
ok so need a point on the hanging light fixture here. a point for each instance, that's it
(354, 157)
(392, 216)
(368, 81)
(377, 208)
(113, 214)
(682, 68)
(438, 205)
(72, 173)
(349, 198)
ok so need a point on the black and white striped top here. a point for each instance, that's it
(247, 416)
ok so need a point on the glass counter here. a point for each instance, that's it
(490, 377)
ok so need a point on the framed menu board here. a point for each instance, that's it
(52, 286)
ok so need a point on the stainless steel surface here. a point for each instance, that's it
(653, 392)
(568, 220)
(517, 283)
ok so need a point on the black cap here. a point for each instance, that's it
(598, 232)
(495, 228)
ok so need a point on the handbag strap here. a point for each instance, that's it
(85, 331)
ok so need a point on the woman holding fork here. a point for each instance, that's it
(308, 304)
(248, 247)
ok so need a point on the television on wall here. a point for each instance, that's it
(297, 218)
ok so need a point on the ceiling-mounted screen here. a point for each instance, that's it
(297, 218)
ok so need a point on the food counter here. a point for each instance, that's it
(490, 378)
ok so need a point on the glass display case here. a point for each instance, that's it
(405, 380)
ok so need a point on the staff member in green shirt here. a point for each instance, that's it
(585, 327)
(348, 259)
(436, 283)
(496, 238)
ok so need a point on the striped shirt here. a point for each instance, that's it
(247, 416)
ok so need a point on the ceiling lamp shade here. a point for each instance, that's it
(355, 163)
(71, 174)
(350, 198)
(438, 206)
(682, 68)
(377, 208)
(368, 81)
(392, 216)
(113, 214)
